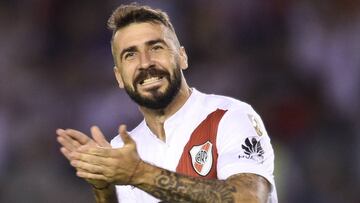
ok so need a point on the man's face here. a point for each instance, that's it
(148, 63)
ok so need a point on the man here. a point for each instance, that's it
(191, 147)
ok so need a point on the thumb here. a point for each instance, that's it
(99, 137)
(125, 135)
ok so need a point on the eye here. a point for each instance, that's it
(129, 55)
(157, 47)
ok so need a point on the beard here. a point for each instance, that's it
(158, 100)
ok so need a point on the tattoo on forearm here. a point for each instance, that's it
(172, 187)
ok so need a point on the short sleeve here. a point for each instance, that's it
(125, 194)
(243, 145)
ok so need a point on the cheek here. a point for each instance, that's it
(126, 79)
(128, 71)
(168, 61)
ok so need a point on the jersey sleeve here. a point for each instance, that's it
(243, 145)
(125, 194)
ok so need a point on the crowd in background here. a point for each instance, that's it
(296, 62)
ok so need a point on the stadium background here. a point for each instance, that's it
(296, 62)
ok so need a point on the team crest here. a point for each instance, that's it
(201, 158)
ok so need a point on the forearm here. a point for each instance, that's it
(172, 187)
(107, 195)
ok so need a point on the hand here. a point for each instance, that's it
(71, 140)
(116, 166)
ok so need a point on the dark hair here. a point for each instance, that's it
(134, 13)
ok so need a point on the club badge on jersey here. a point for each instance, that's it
(201, 157)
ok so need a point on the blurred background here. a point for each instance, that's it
(296, 62)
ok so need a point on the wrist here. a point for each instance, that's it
(143, 175)
(135, 173)
(105, 194)
(105, 190)
(103, 187)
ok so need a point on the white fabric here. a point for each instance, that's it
(234, 128)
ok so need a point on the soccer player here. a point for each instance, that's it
(190, 147)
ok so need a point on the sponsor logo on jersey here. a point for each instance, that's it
(201, 158)
(252, 150)
(256, 124)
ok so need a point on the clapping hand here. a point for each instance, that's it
(96, 161)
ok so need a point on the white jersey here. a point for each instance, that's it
(241, 142)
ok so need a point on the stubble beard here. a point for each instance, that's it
(158, 100)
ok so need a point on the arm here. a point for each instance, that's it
(173, 187)
(124, 167)
(106, 195)
(71, 140)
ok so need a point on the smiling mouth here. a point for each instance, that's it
(150, 80)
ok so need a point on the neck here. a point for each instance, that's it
(155, 119)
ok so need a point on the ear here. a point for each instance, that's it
(118, 77)
(183, 58)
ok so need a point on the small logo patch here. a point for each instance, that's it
(252, 150)
(201, 158)
(256, 124)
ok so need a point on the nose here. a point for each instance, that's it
(145, 60)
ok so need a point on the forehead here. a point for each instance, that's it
(136, 34)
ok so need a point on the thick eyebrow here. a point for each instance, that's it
(148, 43)
(155, 41)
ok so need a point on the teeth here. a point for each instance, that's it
(150, 80)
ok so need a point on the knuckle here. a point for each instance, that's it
(109, 174)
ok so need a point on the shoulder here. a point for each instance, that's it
(222, 102)
(244, 120)
(238, 114)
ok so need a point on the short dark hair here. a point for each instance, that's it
(134, 13)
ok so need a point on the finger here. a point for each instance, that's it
(65, 152)
(78, 136)
(99, 137)
(83, 166)
(91, 176)
(125, 135)
(60, 131)
(68, 142)
(95, 150)
(91, 158)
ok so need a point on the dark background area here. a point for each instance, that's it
(296, 62)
